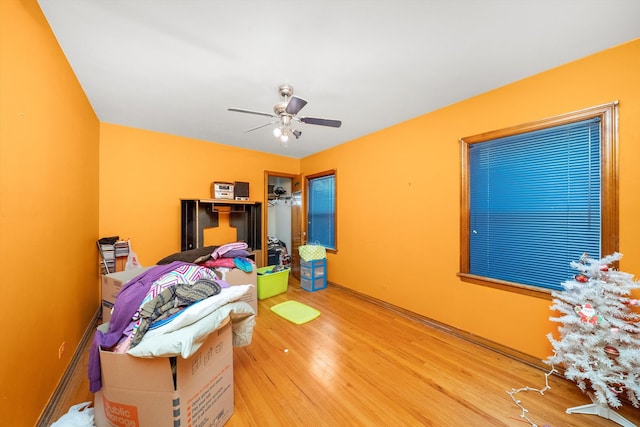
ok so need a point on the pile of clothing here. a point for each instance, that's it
(169, 310)
(230, 255)
(277, 253)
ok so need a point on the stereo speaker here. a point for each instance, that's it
(241, 190)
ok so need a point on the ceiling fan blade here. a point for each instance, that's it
(321, 122)
(240, 110)
(295, 104)
(261, 126)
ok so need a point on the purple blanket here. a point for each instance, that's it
(127, 303)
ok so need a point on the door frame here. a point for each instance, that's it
(296, 185)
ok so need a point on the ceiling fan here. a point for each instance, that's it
(285, 115)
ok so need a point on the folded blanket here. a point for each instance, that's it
(172, 300)
(196, 311)
(222, 250)
(188, 340)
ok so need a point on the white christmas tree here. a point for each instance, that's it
(599, 345)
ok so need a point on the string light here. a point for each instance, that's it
(546, 387)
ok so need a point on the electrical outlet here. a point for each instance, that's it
(61, 350)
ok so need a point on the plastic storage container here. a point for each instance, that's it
(313, 274)
(270, 284)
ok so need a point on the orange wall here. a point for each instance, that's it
(48, 212)
(143, 176)
(66, 179)
(398, 206)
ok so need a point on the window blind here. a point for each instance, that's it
(535, 203)
(321, 214)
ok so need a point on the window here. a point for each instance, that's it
(321, 209)
(536, 197)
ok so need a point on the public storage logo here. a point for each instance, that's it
(121, 415)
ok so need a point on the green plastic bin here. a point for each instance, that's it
(270, 284)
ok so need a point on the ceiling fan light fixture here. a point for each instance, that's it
(294, 105)
(285, 113)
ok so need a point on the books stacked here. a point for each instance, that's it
(108, 261)
(121, 248)
(110, 250)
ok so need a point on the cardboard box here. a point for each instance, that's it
(239, 277)
(143, 391)
(112, 283)
(256, 256)
(106, 311)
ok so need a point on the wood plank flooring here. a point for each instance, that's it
(360, 364)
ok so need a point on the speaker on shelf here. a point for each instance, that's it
(241, 190)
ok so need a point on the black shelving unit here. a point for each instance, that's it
(199, 214)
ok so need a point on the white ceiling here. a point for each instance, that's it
(175, 66)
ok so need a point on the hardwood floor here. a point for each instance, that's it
(360, 364)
